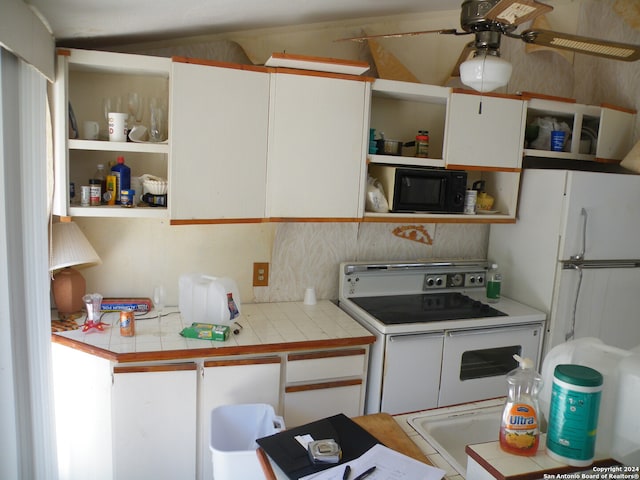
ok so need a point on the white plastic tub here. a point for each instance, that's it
(234, 430)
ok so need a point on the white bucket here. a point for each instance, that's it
(234, 431)
(204, 298)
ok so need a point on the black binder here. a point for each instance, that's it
(293, 458)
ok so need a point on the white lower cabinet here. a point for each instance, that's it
(154, 421)
(119, 421)
(321, 384)
(232, 381)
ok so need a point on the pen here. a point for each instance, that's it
(346, 473)
(365, 474)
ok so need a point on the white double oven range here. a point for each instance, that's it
(438, 342)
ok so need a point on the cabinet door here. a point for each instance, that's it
(154, 422)
(316, 146)
(405, 389)
(224, 382)
(484, 131)
(218, 142)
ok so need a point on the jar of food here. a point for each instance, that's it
(422, 144)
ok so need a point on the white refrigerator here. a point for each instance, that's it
(574, 253)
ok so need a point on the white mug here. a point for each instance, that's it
(118, 127)
(90, 130)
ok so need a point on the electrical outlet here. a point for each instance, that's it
(261, 274)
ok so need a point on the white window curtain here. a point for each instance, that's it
(27, 437)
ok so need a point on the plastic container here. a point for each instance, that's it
(208, 299)
(123, 177)
(494, 283)
(573, 414)
(607, 360)
(625, 445)
(99, 178)
(234, 430)
(519, 426)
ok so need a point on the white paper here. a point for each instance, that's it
(390, 465)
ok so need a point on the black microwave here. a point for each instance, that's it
(422, 189)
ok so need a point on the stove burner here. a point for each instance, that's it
(423, 308)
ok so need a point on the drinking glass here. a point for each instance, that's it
(157, 124)
(133, 104)
(159, 297)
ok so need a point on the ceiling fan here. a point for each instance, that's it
(489, 20)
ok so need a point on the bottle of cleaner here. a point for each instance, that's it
(519, 427)
(123, 177)
(494, 283)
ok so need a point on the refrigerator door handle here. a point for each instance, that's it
(590, 264)
(580, 256)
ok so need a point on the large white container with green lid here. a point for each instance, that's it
(573, 414)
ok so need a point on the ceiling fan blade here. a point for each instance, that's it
(448, 31)
(464, 56)
(589, 46)
(515, 12)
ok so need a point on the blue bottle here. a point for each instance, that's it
(123, 178)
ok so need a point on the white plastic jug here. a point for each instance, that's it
(592, 352)
(205, 298)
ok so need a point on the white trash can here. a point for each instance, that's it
(234, 430)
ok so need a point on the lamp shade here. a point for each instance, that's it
(69, 247)
(485, 73)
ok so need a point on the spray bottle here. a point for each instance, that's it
(519, 427)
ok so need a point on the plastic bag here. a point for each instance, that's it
(546, 126)
(375, 200)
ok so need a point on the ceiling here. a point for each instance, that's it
(121, 21)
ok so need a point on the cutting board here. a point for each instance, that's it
(386, 429)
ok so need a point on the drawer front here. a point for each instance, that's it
(306, 405)
(313, 366)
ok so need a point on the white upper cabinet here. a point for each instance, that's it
(484, 131)
(399, 110)
(218, 141)
(317, 140)
(84, 79)
(602, 134)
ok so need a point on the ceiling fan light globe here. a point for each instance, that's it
(485, 73)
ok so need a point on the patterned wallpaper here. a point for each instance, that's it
(309, 254)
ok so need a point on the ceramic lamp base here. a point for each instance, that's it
(68, 286)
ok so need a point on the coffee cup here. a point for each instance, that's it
(310, 296)
(117, 127)
(90, 130)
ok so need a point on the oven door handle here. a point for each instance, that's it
(484, 331)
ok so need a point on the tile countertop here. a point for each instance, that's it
(266, 328)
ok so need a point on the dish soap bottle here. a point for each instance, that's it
(494, 283)
(519, 428)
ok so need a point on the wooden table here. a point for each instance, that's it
(380, 425)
